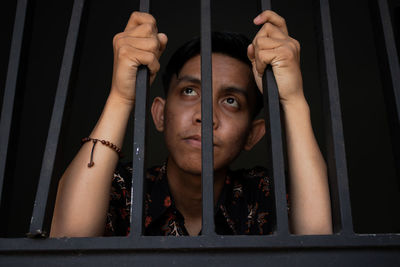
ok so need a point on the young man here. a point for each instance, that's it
(173, 196)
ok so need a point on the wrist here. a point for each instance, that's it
(296, 104)
(117, 101)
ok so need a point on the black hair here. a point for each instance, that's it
(228, 43)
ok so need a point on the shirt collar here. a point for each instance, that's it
(159, 199)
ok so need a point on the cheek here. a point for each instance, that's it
(233, 138)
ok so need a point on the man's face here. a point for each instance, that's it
(181, 122)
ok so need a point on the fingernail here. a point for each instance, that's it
(257, 19)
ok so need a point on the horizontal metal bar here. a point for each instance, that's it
(11, 86)
(274, 143)
(336, 158)
(207, 148)
(313, 257)
(139, 144)
(39, 208)
(198, 242)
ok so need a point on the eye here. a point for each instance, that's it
(231, 102)
(189, 91)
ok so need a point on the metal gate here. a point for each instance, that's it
(344, 247)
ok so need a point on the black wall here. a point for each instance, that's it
(373, 180)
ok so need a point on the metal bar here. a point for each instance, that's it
(390, 72)
(392, 55)
(312, 257)
(39, 209)
(207, 149)
(139, 144)
(200, 243)
(274, 141)
(336, 158)
(11, 86)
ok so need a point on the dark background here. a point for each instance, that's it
(373, 181)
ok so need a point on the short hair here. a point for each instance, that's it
(228, 43)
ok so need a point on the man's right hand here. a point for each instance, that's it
(139, 44)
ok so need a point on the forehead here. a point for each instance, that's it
(226, 70)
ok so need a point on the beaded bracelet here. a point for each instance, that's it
(104, 142)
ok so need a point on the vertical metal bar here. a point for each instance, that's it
(336, 158)
(11, 86)
(207, 149)
(274, 141)
(139, 143)
(390, 72)
(391, 50)
(39, 209)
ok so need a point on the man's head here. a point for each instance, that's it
(228, 43)
(235, 98)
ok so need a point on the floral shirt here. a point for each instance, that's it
(245, 205)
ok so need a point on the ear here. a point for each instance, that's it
(257, 131)
(157, 112)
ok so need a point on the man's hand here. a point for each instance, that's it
(139, 44)
(272, 45)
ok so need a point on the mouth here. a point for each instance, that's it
(194, 140)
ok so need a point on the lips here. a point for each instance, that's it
(194, 140)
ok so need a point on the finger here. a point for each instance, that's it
(263, 58)
(270, 30)
(271, 17)
(264, 42)
(128, 55)
(142, 30)
(151, 44)
(282, 56)
(138, 18)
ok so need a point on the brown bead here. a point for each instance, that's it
(90, 164)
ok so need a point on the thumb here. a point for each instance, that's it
(251, 52)
(163, 39)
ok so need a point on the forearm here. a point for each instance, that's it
(83, 193)
(309, 191)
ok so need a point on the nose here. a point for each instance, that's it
(197, 118)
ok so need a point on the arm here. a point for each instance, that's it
(83, 193)
(309, 191)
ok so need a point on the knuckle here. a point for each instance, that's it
(152, 57)
(153, 44)
(288, 53)
(156, 67)
(134, 15)
(116, 39)
(148, 27)
(258, 42)
(297, 44)
(259, 54)
(123, 52)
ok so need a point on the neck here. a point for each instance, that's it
(186, 189)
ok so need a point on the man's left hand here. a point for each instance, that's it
(273, 45)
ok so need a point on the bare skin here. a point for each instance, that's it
(84, 191)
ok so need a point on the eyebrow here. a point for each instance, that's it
(188, 78)
(237, 90)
